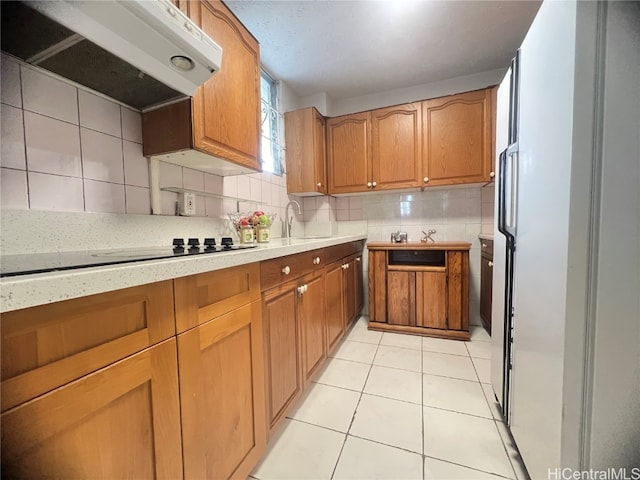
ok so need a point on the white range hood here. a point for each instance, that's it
(114, 46)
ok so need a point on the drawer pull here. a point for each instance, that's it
(358, 259)
(316, 261)
(286, 270)
(490, 263)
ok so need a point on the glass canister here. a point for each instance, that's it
(246, 234)
(262, 234)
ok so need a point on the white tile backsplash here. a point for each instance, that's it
(131, 125)
(98, 113)
(102, 156)
(14, 193)
(11, 93)
(12, 154)
(137, 200)
(104, 197)
(53, 146)
(54, 192)
(193, 179)
(136, 167)
(49, 96)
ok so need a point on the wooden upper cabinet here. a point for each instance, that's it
(396, 138)
(349, 153)
(226, 109)
(457, 139)
(306, 156)
(222, 119)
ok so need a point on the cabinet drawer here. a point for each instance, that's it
(202, 297)
(50, 345)
(279, 270)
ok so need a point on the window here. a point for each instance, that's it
(271, 119)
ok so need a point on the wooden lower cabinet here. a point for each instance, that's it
(486, 282)
(222, 395)
(334, 309)
(281, 349)
(311, 316)
(420, 288)
(122, 421)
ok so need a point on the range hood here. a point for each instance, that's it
(140, 52)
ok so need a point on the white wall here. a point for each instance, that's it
(336, 107)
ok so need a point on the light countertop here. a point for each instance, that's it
(37, 289)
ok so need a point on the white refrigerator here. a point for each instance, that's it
(566, 356)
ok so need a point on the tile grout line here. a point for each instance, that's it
(355, 411)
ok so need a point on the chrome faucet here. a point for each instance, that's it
(288, 219)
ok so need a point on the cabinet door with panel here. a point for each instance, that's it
(349, 153)
(222, 386)
(334, 308)
(122, 421)
(457, 139)
(282, 353)
(311, 316)
(349, 286)
(226, 109)
(431, 299)
(306, 157)
(359, 284)
(396, 147)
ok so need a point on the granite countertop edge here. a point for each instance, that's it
(41, 288)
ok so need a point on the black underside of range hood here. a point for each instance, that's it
(26, 33)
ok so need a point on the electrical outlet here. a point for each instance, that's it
(186, 204)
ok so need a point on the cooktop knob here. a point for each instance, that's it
(193, 242)
(226, 242)
(178, 242)
(210, 242)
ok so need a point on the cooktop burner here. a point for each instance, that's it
(24, 264)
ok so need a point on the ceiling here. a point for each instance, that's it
(352, 48)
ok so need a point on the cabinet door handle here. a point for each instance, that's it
(374, 184)
(286, 270)
(344, 266)
(484, 245)
(319, 184)
(492, 175)
(425, 180)
(369, 185)
(358, 259)
(300, 289)
(490, 264)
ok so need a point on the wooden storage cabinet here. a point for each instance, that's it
(90, 387)
(420, 288)
(457, 141)
(396, 147)
(486, 282)
(305, 313)
(222, 395)
(222, 119)
(305, 138)
(349, 153)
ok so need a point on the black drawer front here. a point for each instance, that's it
(425, 258)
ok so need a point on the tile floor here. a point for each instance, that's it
(392, 406)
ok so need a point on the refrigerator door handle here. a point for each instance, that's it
(502, 185)
(512, 217)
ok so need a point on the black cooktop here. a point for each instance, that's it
(23, 264)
